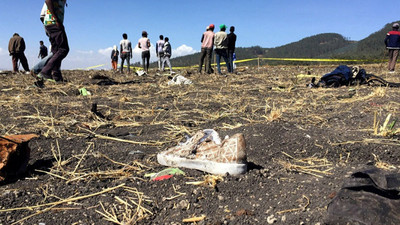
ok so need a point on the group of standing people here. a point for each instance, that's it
(48, 69)
(225, 45)
(163, 51)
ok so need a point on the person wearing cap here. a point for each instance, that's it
(392, 42)
(16, 48)
(144, 44)
(207, 44)
(231, 46)
(221, 48)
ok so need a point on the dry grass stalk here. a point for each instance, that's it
(151, 143)
(382, 165)
(302, 208)
(274, 114)
(132, 213)
(194, 219)
(67, 200)
(209, 181)
(312, 166)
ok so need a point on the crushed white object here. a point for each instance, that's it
(179, 79)
(140, 73)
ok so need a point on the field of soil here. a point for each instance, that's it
(89, 166)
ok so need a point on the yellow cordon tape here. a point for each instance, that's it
(254, 59)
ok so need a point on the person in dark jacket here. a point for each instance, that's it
(392, 42)
(43, 50)
(167, 50)
(231, 46)
(16, 48)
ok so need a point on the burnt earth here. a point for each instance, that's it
(78, 174)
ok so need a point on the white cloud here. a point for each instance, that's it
(85, 52)
(2, 51)
(105, 51)
(182, 51)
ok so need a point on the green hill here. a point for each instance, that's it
(327, 45)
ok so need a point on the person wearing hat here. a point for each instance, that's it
(144, 44)
(207, 44)
(221, 48)
(392, 42)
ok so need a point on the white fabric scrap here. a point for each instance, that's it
(179, 79)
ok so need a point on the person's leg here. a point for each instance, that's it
(218, 58)
(163, 63)
(209, 59)
(123, 56)
(60, 49)
(168, 63)
(14, 59)
(147, 61)
(395, 56)
(38, 67)
(203, 54)
(159, 61)
(226, 59)
(24, 62)
(143, 61)
(391, 59)
(230, 58)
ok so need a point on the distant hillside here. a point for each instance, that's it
(372, 47)
(315, 46)
(327, 45)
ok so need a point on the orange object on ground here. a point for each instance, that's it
(14, 154)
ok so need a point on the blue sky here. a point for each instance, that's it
(94, 26)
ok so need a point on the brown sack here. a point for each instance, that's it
(14, 154)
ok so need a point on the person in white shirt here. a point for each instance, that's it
(160, 51)
(144, 44)
(126, 52)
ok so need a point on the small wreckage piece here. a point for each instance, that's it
(369, 196)
(344, 75)
(14, 154)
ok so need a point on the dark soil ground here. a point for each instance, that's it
(89, 168)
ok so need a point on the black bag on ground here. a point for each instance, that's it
(368, 197)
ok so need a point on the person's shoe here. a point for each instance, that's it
(38, 84)
(43, 77)
(205, 151)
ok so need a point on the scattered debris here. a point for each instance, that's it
(165, 174)
(179, 79)
(194, 219)
(84, 92)
(209, 181)
(140, 73)
(368, 196)
(14, 154)
(344, 75)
